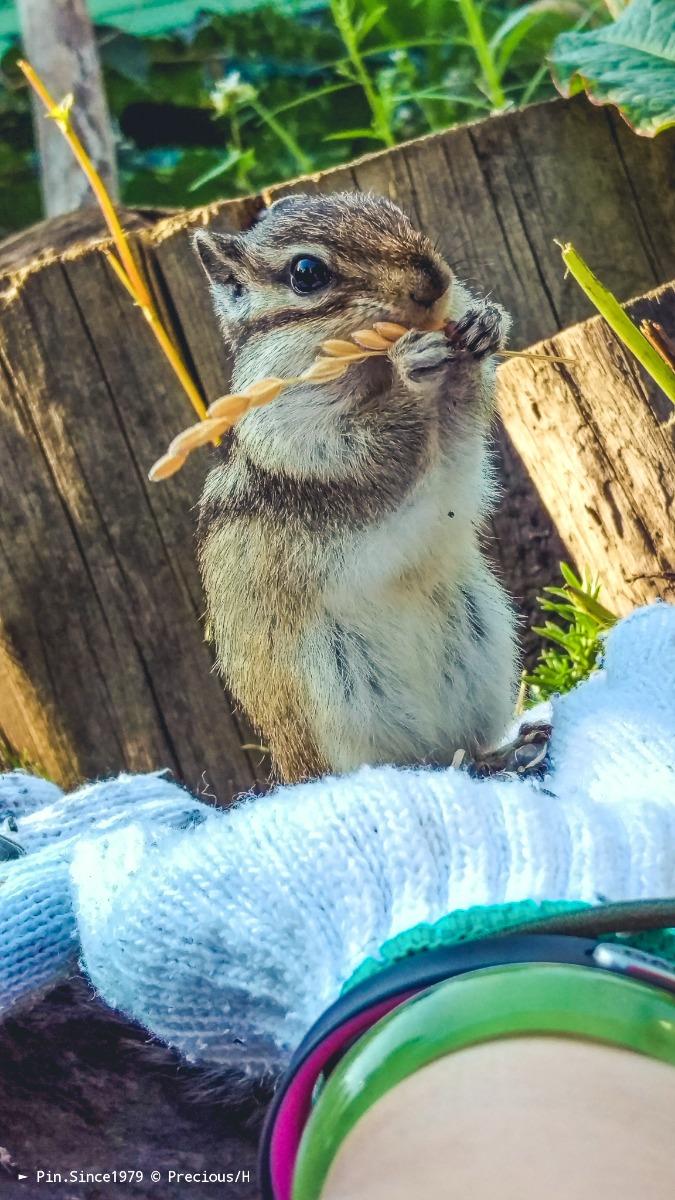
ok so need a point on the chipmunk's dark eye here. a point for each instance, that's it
(308, 274)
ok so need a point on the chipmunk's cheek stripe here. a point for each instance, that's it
(293, 316)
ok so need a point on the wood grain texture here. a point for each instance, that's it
(598, 439)
(103, 664)
(101, 636)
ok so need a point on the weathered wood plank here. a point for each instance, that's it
(598, 439)
(104, 621)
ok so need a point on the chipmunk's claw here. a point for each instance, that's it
(481, 331)
(420, 354)
(527, 754)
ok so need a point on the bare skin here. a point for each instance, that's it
(520, 1119)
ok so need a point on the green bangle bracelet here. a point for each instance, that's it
(498, 1002)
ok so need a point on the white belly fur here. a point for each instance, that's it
(409, 668)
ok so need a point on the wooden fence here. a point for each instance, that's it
(103, 664)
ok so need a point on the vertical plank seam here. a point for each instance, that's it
(645, 238)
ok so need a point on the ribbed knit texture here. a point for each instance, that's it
(38, 934)
(227, 939)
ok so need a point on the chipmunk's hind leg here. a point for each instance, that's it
(296, 757)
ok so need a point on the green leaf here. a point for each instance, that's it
(630, 63)
(519, 24)
(577, 641)
(552, 633)
(601, 615)
(231, 159)
(347, 134)
(368, 21)
(569, 576)
(618, 319)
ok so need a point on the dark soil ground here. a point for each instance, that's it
(83, 1090)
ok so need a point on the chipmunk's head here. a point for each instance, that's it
(314, 267)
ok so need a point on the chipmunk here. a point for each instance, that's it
(355, 616)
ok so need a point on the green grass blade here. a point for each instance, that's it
(618, 320)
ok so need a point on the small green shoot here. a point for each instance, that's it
(576, 636)
(619, 321)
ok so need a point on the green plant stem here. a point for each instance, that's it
(302, 161)
(618, 320)
(481, 47)
(345, 28)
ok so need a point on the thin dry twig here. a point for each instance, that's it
(660, 340)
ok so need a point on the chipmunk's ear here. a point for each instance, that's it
(218, 254)
(221, 256)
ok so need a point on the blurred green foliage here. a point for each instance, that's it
(230, 103)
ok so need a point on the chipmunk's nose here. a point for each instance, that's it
(430, 283)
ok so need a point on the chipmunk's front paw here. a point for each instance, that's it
(420, 356)
(481, 331)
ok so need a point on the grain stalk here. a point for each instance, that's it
(338, 355)
(124, 264)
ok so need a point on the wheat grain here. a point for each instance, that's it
(371, 340)
(264, 390)
(233, 406)
(198, 435)
(324, 370)
(341, 349)
(389, 330)
(166, 466)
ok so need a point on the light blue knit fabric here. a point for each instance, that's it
(227, 933)
(38, 933)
